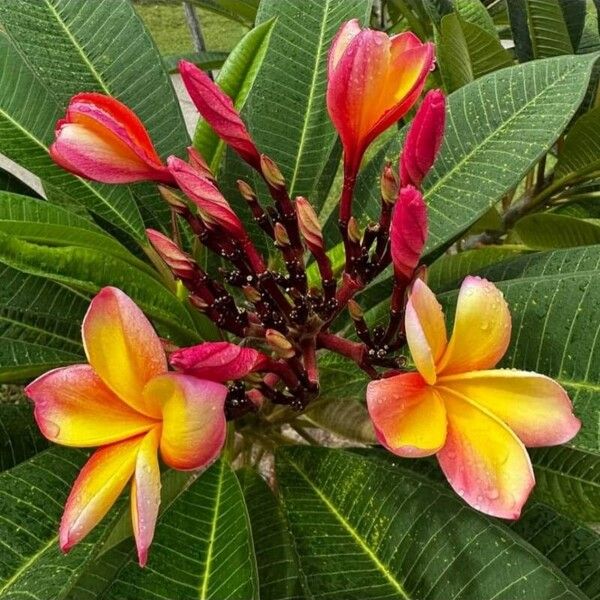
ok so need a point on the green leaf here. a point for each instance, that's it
(205, 60)
(10, 183)
(497, 128)
(235, 79)
(436, 9)
(28, 113)
(20, 438)
(546, 231)
(449, 270)
(89, 269)
(202, 547)
(363, 528)
(572, 547)
(569, 480)
(278, 570)
(517, 11)
(574, 13)
(548, 30)
(581, 151)
(475, 12)
(39, 325)
(31, 504)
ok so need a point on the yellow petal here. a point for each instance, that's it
(425, 330)
(96, 489)
(74, 408)
(483, 460)
(535, 407)
(481, 329)
(408, 415)
(122, 347)
(145, 494)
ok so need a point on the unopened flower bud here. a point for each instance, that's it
(309, 225)
(251, 293)
(353, 230)
(271, 172)
(197, 161)
(172, 199)
(198, 302)
(246, 191)
(389, 184)
(356, 312)
(279, 343)
(180, 263)
(281, 235)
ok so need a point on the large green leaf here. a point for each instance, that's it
(546, 231)
(497, 127)
(362, 528)
(278, 570)
(517, 11)
(89, 269)
(547, 28)
(235, 79)
(39, 325)
(19, 436)
(202, 547)
(31, 503)
(477, 13)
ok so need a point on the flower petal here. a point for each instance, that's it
(481, 329)
(96, 489)
(340, 42)
(145, 494)
(217, 361)
(193, 419)
(483, 460)
(425, 329)
(535, 407)
(74, 408)
(408, 415)
(122, 347)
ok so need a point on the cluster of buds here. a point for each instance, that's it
(275, 310)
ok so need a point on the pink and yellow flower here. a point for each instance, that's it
(475, 418)
(102, 139)
(373, 81)
(126, 402)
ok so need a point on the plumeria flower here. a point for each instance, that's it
(373, 81)
(126, 402)
(475, 418)
(102, 139)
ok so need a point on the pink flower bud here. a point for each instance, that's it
(197, 161)
(309, 225)
(280, 344)
(212, 206)
(218, 361)
(424, 139)
(217, 110)
(408, 232)
(389, 184)
(102, 139)
(271, 172)
(180, 263)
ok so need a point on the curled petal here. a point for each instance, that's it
(96, 489)
(343, 37)
(218, 361)
(425, 330)
(194, 425)
(103, 140)
(534, 406)
(122, 347)
(408, 415)
(483, 460)
(145, 494)
(481, 329)
(218, 111)
(74, 408)
(408, 232)
(212, 206)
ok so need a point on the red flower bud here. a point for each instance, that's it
(212, 206)
(217, 109)
(271, 172)
(309, 225)
(180, 263)
(423, 139)
(197, 161)
(389, 184)
(279, 343)
(408, 232)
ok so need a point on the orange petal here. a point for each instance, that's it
(408, 415)
(484, 461)
(340, 42)
(193, 419)
(481, 329)
(535, 407)
(145, 494)
(122, 347)
(74, 408)
(425, 330)
(96, 489)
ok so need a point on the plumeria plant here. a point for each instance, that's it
(235, 351)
